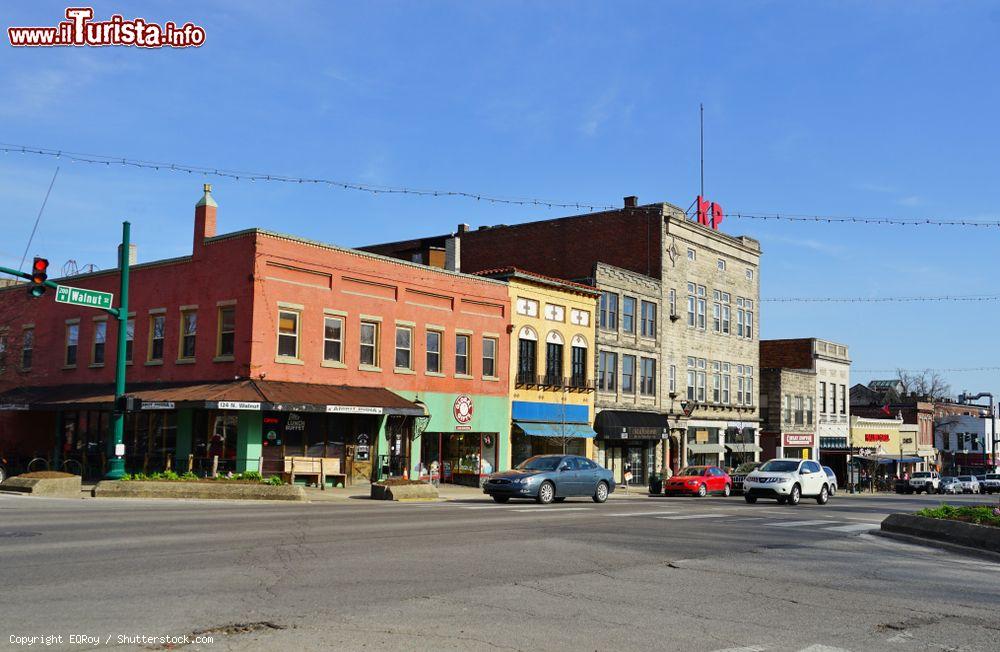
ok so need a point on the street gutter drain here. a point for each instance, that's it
(18, 535)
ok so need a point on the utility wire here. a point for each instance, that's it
(237, 175)
(951, 370)
(878, 299)
(38, 218)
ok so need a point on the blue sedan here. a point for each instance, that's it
(548, 478)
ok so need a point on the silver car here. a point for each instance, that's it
(970, 484)
(950, 485)
(551, 478)
(832, 478)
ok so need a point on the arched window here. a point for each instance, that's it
(578, 362)
(554, 359)
(527, 352)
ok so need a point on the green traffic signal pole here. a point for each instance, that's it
(116, 466)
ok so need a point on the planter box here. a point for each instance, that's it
(58, 487)
(200, 490)
(983, 537)
(422, 491)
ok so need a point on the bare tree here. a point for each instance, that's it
(927, 383)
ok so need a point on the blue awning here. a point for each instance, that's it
(535, 429)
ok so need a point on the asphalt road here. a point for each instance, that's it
(632, 574)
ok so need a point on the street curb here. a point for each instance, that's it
(197, 490)
(957, 533)
(68, 487)
(940, 545)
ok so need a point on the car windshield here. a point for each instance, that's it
(693, 470)
(539, 464)
(947, 478)
(965, 478)
(922, 474)
(993, 476)
(780, 466)
(747, 467)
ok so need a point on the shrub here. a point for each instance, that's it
(275, 480)
(170, 475)
(190, 475)
(981, 515)
(251, 475)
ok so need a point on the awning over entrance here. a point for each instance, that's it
(889, 459)
(706, 448)
(743, 448)
(555, 429)
(624, 424)
(234, 395)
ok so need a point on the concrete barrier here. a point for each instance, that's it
(404, 492)
(970, 535)
(67, 487)
(216, 490)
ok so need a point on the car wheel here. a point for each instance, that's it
(750, 499)
(546, 493)
(559, 499)
(501, 499)
(727, 490)
(601, 493)
(795, 495)
(702, 491)
(3, 474)
(823, 496)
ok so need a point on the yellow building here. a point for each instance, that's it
(876, 438)
(551, 364)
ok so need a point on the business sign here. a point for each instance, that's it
(463, 409)
(157, 405)
(709, 213)
(237, 405)
(13, 406)
(81, 297)
(876, 437)
(643, 432)
(354, 409)
(798, 440)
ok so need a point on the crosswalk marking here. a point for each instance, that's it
(690, 516)
(554, 510)
(853, 527)
(656, 513)
(798, 523)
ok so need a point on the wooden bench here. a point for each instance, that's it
(320, 468)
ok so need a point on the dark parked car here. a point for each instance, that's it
(740, 473)
(548, 478)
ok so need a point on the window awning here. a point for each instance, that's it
(625, 424)
(535, 429)
(233, 395)
(706, 448)
(744, 448)
(889, 459)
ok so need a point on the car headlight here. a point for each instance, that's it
(692, 482)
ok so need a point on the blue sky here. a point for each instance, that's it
(832, 108)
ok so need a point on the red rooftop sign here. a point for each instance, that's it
(709, 213)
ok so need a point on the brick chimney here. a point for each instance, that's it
(631, 201)
(204, 218)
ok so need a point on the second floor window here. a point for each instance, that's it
(462, 355)
(72, 343)
(369, 343)
(489, 357)
(822, 398)
(288, 334)
(647, 378)
(787, 408)
(333, 339)
(157, 329)
(799, 412)
(578, 363)
(189, 330)
(607, 370)
(526, 365)
(129, 338)
(227, 331)
(609, 311)
(100, 341)
(433, 352)
(628, 314)
(628, 374)
(404, 346)
(809, 410)
(553, 363)
(27, 347)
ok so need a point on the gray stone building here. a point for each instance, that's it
(631, 427)
(788, 402)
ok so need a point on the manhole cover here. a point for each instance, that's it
(17, 535)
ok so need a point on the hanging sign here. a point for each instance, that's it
(463, 408)
(157, 405)
(354, 409)
(237, 405)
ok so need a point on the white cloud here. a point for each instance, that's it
(910, 200)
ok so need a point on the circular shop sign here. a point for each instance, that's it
(463, 408)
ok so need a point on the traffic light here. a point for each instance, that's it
(39, 273)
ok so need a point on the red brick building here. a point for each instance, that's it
(260, 346)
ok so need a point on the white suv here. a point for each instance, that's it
(787, 480)
(928, 481)
(991, 484)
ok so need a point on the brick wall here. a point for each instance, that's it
(786, 354)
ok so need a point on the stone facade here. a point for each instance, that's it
(788, 403)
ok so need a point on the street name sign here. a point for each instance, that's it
(81, 297)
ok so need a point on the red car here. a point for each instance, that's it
(699, 481)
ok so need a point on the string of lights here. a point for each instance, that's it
(238, 175)
(878, 299)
